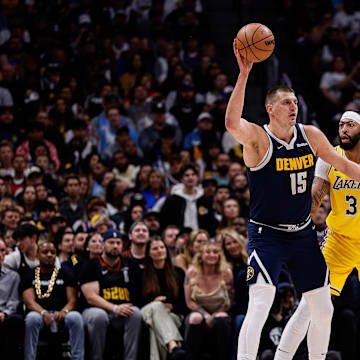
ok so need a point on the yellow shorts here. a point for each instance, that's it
(342, 255)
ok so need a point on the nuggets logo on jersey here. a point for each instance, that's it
(250, 273)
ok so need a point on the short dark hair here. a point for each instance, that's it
(274, 90)
(44, 205)
(24, 231)
(186, 167)
(72, 177)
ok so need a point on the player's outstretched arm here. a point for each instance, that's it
(243, 131)
(326, 151)
(320, 188)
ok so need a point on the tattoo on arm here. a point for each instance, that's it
(321, 189)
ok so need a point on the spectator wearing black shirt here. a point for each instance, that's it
(110, 284)
(72, 208)
(164, 301)
(139, 236)
(50, 300)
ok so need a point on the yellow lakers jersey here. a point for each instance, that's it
(344, 217)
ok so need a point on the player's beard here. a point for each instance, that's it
(351, 144)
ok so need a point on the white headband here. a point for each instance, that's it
(351, 115)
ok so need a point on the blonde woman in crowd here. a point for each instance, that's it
(208, 293)
(164, 303)
(234, 247)
(196, 239)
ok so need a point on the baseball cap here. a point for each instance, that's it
(33, 170)
(204, 115)
(112, 234)
(158, 106)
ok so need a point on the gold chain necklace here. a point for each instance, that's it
(51, 283)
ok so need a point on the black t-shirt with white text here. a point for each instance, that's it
(57, 299)
(119, 284)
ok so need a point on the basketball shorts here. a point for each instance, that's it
(342, 255)
(270, 249)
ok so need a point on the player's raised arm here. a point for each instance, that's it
(326, 151)
(242, 130)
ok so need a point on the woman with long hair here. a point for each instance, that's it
(234, 248)
(193, 243)
(231, 209)
(29, 200)
(208, 293)
(155, 190)
(94, 245)
(164, 302)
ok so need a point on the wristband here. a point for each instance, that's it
(115, 308)
(65, 310)
(43, 312)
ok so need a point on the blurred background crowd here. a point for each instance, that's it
(112, 118)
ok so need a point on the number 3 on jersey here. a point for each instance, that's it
(298, 182)
(353, 204)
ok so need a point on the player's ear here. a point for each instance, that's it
(268, 108)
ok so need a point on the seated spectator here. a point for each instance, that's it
(6, 158)
(164, 302)
(81, 145)
(139, 236)
(208, 293)
(155, 190)
(151, 134)
(152, 221)
(169, 238)
(11, 323)
(50, 300)
(123, 170)
(36, 134)
(94, 245)
(110, 284)
(100, 223)
(222, 169)
(24, 258)
(18, 181)
(193, 244)
(64, 244)
(193, 139)
(46, 211)
(72, 207)
(230, 211)
(234, 248)
(10, 218)
(186, 206)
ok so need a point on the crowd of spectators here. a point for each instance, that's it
(123, 200)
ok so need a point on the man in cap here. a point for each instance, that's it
(110, 284)
(151, 135)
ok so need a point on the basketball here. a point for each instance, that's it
(255, 42)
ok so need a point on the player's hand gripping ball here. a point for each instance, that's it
(255, 42)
